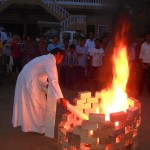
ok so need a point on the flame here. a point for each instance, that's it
(97, 140)
(115, 98)
(97, 110)
(91, 132)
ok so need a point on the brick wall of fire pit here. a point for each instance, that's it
(121, 132)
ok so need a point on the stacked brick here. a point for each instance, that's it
(96, 133)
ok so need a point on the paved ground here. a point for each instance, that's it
(14, 139)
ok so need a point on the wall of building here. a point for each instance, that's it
(101, 20)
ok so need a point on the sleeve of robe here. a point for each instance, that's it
(54, 93)
(53, 79)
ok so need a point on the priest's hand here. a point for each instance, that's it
(63, 102)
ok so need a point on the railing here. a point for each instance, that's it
(10, 17)
(89, 2)
(56, 8)
(2, 1)
(73, 19)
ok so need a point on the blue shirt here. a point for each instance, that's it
(52, 46)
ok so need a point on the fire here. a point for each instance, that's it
(115, 98)
(91, 132)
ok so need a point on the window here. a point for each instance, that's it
(102, 29)
(66, 35)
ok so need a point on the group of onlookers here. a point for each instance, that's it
(87, 65)
(139, 65)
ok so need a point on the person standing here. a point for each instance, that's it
(90, 43)
(82, 53)
(30, 103)
(3, 40)
(41, 46)
(29, 49)
(145, 59)
(63, 66)
(16, 54)
(71, 62)
(96, 62)
(55, 44)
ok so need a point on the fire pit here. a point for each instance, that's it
(96, 133)
(110, 120)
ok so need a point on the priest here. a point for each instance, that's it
(33, 110)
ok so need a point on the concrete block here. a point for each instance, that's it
(67, 116)
(136, 102)
(84, 106)
(95, 105)
(84, 146)
(64, 124)
(78, 122)
(129, 122)
(118, 116)
(73, 139)
(78, 101)
(98, 147)
(79, 108)
(88, 140)
(106, 141)
(62, 132)
(128, 136)
(85, 94)
(98, 94)
(92, 100)
(119, 145)
(105, 134)
(106, 125)
(89, 110)
(89, 125)
(128, 129)
(132, 112)
(79, 131)
(66, 145)
(130, 102)
(118, 131)
(98, 118)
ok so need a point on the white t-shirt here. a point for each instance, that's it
(90, 44)
(97, 56)
(145, 53)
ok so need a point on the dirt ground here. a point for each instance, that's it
(14, 139)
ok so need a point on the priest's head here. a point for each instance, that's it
(59, 54)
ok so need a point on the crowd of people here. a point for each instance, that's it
(85, 65)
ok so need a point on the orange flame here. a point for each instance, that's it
(115, 99)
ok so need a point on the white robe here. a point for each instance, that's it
(31, 110)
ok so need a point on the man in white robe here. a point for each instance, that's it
(31, 108)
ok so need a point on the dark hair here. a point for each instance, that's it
(72, 46)
(97, 39)
(82, 38)
(55, 36)
(67, 40)
(56, 50)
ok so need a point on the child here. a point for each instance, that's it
(96, 61)
(71, 63)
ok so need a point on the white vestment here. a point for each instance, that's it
(31, 109)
